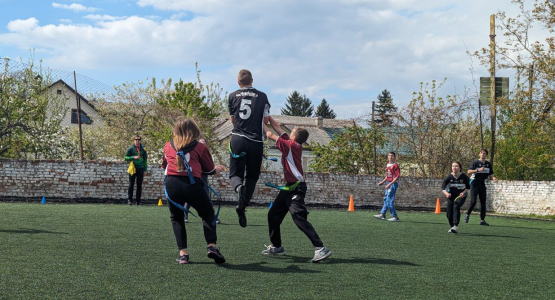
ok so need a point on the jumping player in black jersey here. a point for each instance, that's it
(249, 110)
(481, 170)
(454, 188)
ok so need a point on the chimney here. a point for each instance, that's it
(319, 122)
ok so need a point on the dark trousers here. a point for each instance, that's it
(204, 178)
(180, 191)
(292, 202)
(478, 190)
(138, 176)
(250, 163)
(454, 209)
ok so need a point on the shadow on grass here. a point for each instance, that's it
(260, 267)
(334, 260)
(520, 227)
(440, 223)
(28, 230)
(491, 235)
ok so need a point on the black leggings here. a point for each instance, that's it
(454, 209)
(251, 162)
(180, 191)
(292, 202)
(478, 189)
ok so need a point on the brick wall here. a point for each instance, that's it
(101, 181)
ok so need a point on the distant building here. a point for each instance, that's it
(89, 115)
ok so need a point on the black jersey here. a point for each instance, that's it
(480, 177)
(455, 186)
(249, 106)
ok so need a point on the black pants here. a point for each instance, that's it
(138, 176)
(292, 202)
(180, 191)
(454, 209)
(478, 189)
(250, 163)
(204, 178)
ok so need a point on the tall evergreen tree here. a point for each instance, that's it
(323, 110)
(384, 109)
(298, 105)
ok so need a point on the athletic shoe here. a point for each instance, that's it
(218, 221)
(393, 219)
(215, 254)
(484, 223)
(129, 202)
(321, 253)
(450, 230)
(271, 250)
(454, 229)
(242, 217)
(183, 259)
(186, 220)
(466, 218)
(380, 216)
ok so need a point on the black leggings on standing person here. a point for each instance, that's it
(250, 163)
(293, 202)
(138, 176)
(478, 189)
(454, 210)
(180, 191)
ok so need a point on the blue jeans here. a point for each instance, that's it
(389, 199)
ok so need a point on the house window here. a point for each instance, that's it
(59, 92)
(84, 118)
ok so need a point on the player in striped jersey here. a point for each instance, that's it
(455, 186)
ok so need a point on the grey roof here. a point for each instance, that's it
(318, 135)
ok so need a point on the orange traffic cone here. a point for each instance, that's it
(160, 203)
(351, 204)
(438, 208)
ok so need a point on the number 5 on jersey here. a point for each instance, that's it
(245, 106)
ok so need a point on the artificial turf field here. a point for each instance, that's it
(96, 251)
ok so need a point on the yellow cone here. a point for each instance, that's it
(160, 203)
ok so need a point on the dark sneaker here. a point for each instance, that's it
(241, 194)
(466, 218)
(183, 259)
(242, 216)
(320, 254)
(454, 229)
(129, 202)
(271, 250)
(215, 254)
(484, 223)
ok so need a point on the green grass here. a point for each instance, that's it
(81, 251)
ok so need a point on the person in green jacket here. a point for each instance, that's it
(136, 154)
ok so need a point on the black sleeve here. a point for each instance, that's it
(473, 166)
(445, 182)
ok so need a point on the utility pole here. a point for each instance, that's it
(374, 135)
(492, 91)
(78, 114)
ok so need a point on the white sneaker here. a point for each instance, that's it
(271, 250)
(379, 216)
(321, 253)
(393, 219)
(454, 229)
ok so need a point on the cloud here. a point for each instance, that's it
(75, 7)
(345, 51)
(95, 17)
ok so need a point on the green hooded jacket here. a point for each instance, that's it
(140, 163)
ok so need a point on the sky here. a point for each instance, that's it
(346, 51)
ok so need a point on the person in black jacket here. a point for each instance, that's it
(455, 186)
(136, 154)
(481, 170)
